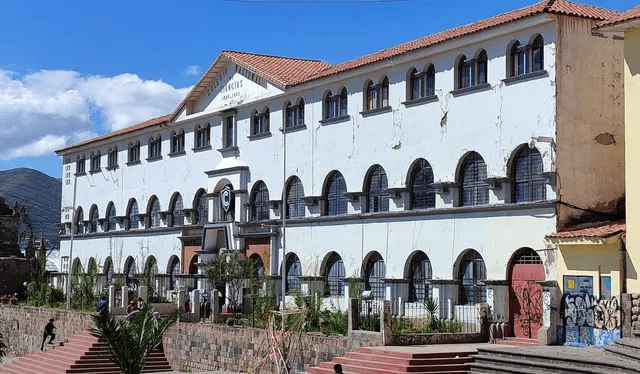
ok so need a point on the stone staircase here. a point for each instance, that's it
(553, 359)
(380, 361)
(82, 353)
(625, 348)
(518, 342)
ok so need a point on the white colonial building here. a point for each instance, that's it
(430, 169)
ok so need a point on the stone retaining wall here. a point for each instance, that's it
(424, 339)
(22, 327)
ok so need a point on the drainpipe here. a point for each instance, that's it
(623, 263)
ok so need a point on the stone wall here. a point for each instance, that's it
(200, 347)
(22, 327)
(14, 271)
(424, 339)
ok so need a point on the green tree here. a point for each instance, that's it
(38, 289)
(131, 342)
(231, 269)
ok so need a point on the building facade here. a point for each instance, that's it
(432, 169)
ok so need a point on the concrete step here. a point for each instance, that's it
(366, 366)
(513, 341)
(412, 355)
(624, 348)
(406, 361)
(488, 368)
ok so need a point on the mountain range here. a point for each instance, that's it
(41, 193)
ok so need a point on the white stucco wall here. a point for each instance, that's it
(492, 122)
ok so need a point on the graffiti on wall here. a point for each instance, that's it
(589, 321)
(529, 317)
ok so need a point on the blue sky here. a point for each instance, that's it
(76, 69)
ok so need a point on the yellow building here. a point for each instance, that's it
(629, 23)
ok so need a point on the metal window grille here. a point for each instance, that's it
(155, 213)
(472, 272)
(431, 81)
(420, 288)
(112, 218)
(537, 53)
(335, 275)
(529, 184)
(377, 195)
(529, 256)
(294, 271)
(375, 271)
(423, 195)
(178, 211)
(295, 193)
(94, 220)
(474, 191)
(175, 273)
(202, 215)
(260, 202)
(336, 201)
(134, 218)
(482, 67)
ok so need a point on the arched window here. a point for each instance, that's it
(174, 273)
(80, 164)
(94, 217)
(472, 272)
(111, 218)
(529, 184)
(155, 147)
(260, 122)
(537, 54)
(378, 94)
(474, 190)
(294, 113)
(465, 72)
(130, 271)
(374, 273)
(431, 80)
(517, 59)
(108, 270)
(177, 210)
(79, 221)
(423, 195)
(201, 203)
(259, 202)
(96, 157)
(416, 84)
(154, 212)
(300, 112)
(295, 193)
(419, 275)
(294, 271)
(335, 275)
(482, 67)
(177, 141)
(134, 152)
(335, 105)
(151, 268)
(112, 158)
(203, 136)
(376, 190)
(133, 215)
(335, 188)
(258, 266)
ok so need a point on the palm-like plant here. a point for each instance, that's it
(131, 342)
(3, 348)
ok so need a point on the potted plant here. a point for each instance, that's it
(5, 299)
(14, 301)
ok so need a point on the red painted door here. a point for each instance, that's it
(525, 304)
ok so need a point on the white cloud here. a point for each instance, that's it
(47, 110)
(191, 70)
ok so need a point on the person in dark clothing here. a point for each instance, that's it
(48, 332)
(102, 305)
(337, 369)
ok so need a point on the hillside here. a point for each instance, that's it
(42, 194)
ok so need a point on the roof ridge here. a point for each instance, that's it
(273, 56)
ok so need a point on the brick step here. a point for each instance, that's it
(412, 355)
(36, 360)
(364, 366)
(355, 369)
(407, 361)
(515, 341)
(317, 370)
(591, 362)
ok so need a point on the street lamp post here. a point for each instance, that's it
(283, 214)
(69, 263)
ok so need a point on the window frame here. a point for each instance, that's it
(95, 162)
(259, 209)
(133, 155)
(473, 167)
(419, 190)
(229, 126)
(81, 164)
(336, 204)
(295, 202)
(377, 197)
(177, 141)
(155, 147)
(112, 158)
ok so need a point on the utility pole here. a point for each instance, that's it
(283, 213)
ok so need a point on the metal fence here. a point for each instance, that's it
(416, 318)
(367, 317)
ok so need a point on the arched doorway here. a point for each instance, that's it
(525, 294)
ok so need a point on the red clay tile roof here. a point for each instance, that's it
(600, 230)
(547, 6)
(629, 15)
(142, 125)
(284, 71)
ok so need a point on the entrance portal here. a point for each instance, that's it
(525, 295)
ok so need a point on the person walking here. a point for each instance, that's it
(337, 369)
(48, 332)
(102, 305)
